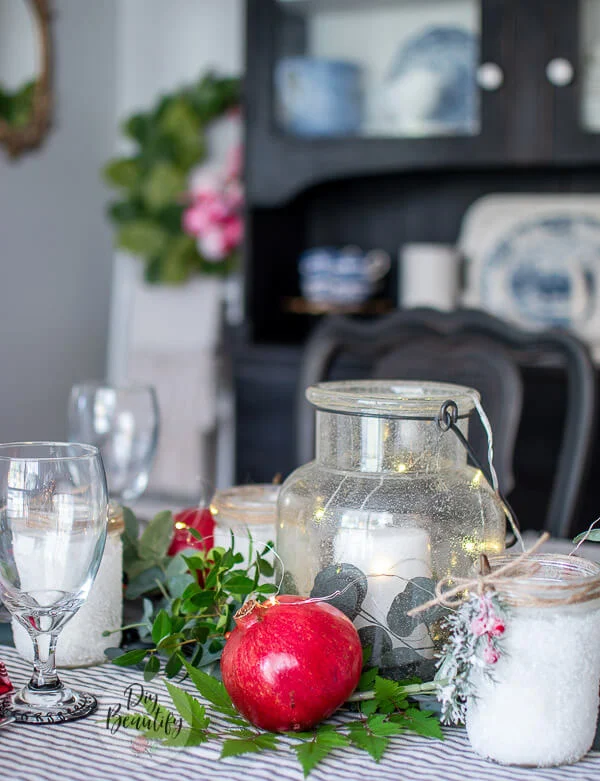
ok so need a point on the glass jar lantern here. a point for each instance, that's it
(388, 507)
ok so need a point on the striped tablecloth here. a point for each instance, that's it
(87, 750)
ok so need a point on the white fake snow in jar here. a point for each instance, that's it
(541, 705)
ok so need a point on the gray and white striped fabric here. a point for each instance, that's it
(88, 750)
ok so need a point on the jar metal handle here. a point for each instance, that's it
(447, 421)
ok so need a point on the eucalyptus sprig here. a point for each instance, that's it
(199, 593)
(384, 712)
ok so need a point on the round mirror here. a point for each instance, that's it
(24, 73)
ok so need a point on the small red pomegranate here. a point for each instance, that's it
(290, 662)
(200, 520)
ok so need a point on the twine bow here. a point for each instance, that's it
(497, 580)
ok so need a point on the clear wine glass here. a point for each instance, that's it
(53, 521)
(122, 422)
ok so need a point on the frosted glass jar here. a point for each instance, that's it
(540, 706)
(388, 506)
(250, 512)
(81, 643)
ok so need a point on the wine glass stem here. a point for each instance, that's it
(45, 677)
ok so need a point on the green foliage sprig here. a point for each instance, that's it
(384, 712)
(169, 140)
(198, 591)
(16, 107)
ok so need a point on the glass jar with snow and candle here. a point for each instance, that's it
(81, 642)
(388, 507)
(538, 706)
(247, 511)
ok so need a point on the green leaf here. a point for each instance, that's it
(163, 184)
(157, 536)
(389, 695)
(593, 536)
(138, 127)
(267, 588)
(187, 737)
(265, 568)
(362, 737)
(205, 599)
(170, 643)
(174, 665)
(179, 259)
(176, 566)
(314, 751)
(142, 237)
(131, 657)
(188, 707)
(235, 746)
(368, 707)
(132, 526)
(195, 562)
(121, 212)
(152, 667)
(144, 581)
(367, 680)
(123, 172)
(170, 218)
(181, 123)
(422, 722)
(211, 689)
(161, 626)
(240, 584)
(178, 584)
(379, 725)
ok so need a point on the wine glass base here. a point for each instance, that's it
(51, 708)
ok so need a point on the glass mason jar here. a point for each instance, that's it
(388, 507)
(539, 706)
(81, 642)
(250, 512)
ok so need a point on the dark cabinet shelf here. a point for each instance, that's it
(527, 121)
(300, 306)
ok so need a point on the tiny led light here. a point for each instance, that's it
(400, 467)
(180, 525)
(381, 566)
(476, 479)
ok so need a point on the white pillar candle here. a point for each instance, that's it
(390, 556)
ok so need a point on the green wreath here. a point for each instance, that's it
(170, 140)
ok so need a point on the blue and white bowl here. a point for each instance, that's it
(318, 97)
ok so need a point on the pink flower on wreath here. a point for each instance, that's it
(213, 216)
(490, 654)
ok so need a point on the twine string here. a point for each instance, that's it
(455, 595)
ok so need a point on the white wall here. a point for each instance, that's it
(55, 244)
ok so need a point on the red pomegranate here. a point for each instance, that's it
(200, 520)
(290, 662)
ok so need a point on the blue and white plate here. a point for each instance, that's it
(535, 260)
(430, 87)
